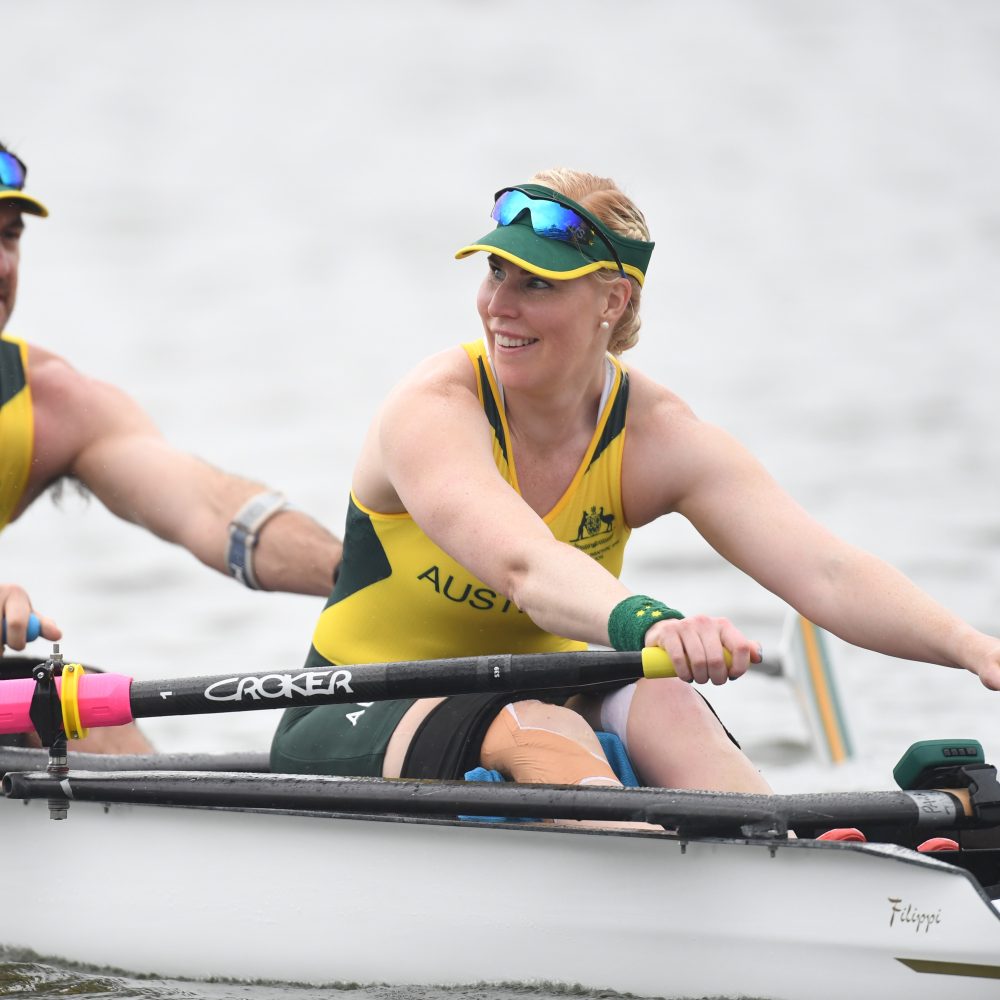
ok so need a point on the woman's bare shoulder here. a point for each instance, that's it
(408, 424)
(652, 407)
(445, 369)
(670, 452)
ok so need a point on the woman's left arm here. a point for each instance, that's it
(704, 474)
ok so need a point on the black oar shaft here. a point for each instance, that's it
(690, 812)
(381, 681)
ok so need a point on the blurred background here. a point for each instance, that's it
(254, 211)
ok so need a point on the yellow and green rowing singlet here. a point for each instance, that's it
(400, 597)
(17, 426)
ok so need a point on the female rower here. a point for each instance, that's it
(547, 452)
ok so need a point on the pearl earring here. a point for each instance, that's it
(605, 325)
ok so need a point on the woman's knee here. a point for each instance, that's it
(674, 701)
(534, 714)
(531, 741)
(669, 724)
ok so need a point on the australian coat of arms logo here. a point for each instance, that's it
(595, 522)
(595, 533)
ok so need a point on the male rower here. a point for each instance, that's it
(56, 422)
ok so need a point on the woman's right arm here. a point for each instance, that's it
(430, 453)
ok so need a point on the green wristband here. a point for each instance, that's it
(632, 618)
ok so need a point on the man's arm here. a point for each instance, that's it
(99, 434)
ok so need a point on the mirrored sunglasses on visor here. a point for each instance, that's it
(12, 172)
(543, 231)
(552, 219)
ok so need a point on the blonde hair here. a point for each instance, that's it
(603, 198)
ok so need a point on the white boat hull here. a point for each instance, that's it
(300, 898)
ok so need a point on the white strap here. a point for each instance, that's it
(243, 531)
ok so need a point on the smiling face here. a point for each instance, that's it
(11, 228)
(544, 332)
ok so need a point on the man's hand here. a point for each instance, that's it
(15, 611)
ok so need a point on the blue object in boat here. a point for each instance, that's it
(34, 628)
(613, 749)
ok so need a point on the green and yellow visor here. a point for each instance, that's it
(552, 236)
(13, 174)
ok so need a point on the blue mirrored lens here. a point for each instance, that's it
(548, 218)
(12, 171)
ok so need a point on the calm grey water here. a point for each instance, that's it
(21, 976)
(254, 208)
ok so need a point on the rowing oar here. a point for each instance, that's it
(89, 700)
(803, 661)
(806, 665)
(688, 812)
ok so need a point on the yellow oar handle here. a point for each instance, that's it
(657, 662)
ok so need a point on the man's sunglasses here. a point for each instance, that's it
(12, 171)
(552, 219)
